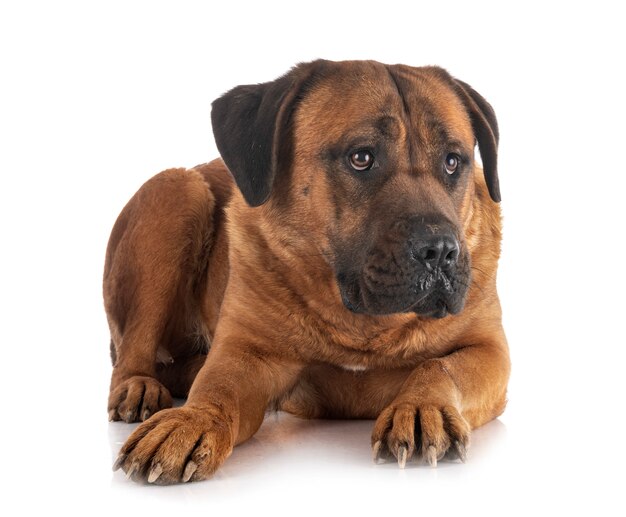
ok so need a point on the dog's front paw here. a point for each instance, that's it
(176, 445)
(406, 429)
(137, 399)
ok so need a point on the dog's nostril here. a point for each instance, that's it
(430, 254)
(451, 256)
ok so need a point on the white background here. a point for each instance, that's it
(95, 97)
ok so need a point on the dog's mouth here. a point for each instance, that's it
(431, 294)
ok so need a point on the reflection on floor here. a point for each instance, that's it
(296, 452)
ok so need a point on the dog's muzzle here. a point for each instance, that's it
(425, 271)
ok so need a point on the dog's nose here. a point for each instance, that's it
(436, 250)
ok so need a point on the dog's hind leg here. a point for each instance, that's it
(154, 279)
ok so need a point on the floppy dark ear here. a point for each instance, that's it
(250, 125)
(486, 130)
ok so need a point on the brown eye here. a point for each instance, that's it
(452, 163)
(362, 160)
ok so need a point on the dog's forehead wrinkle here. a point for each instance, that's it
(406, 118)
(434, 116)
(424, 128)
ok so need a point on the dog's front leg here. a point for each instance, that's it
(226, 406)
(442, 400)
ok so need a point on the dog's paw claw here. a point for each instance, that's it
(119, 462)
(431, 455)
(461, 451)
(155, 472)
(131, 470)
(402, 456)
(190, 468)
(376, 452)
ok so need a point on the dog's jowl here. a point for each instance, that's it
(338, 260)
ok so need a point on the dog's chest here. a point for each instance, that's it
(359, 350)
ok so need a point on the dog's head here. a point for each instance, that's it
(376, 164)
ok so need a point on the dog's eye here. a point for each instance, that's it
(362, 160)
(452, 163)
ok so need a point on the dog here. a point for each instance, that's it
(338, 261)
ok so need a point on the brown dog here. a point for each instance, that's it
(351, 273)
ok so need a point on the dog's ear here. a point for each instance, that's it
(485, 127)
(251, 124)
